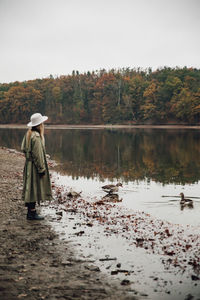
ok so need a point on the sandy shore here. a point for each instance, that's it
(34, 262)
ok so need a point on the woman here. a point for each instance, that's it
(36, 180)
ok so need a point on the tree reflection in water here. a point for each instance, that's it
(165, 156)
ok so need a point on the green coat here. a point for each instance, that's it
(36, 188)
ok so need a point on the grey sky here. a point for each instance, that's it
(43, 37)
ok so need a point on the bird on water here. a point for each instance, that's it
(111, 188)
(184, 201)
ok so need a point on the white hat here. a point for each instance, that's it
(37, 119)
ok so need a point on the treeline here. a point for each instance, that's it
(124, 96)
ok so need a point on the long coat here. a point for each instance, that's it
(36, 188)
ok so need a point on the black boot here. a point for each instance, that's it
(32, 215)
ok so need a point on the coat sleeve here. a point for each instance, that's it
(38, 154)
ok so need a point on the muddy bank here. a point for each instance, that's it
(34, 262)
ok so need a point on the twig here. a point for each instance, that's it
(108, 258)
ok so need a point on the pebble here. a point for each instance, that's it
(125, 282)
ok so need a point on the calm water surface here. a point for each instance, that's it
(150, 163)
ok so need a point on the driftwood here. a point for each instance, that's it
(108, 258)
(180, 196)
(115, 272)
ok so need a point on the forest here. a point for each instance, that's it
(118, 96)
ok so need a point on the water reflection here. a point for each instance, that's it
(165, 156)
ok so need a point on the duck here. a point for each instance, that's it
(185, 201)
(73, 194)
(111, 188)
(111, 198)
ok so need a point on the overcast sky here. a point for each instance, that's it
(43, 37)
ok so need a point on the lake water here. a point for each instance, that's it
(150, 163)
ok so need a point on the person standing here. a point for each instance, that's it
(36, 179)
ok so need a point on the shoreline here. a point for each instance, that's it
(67, 126)
(35, 263)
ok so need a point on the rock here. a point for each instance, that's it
(80, 233)
(189, 297)
(92, 268)
(108, 267)
(34, 288)
(60, 213)
(194, 277)
(67, 263)
(21, 296)
(125, 282)
(118, 265)
(114, 272)
(143, 295)
(89, 224)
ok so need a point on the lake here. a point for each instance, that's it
(150, 164)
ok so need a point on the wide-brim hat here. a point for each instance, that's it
(37, 119)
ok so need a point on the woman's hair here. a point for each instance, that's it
(39, 128)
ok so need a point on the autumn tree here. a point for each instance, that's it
(123, 96)
(20, 102)
(149, 108)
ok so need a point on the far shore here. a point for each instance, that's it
(107, 126)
